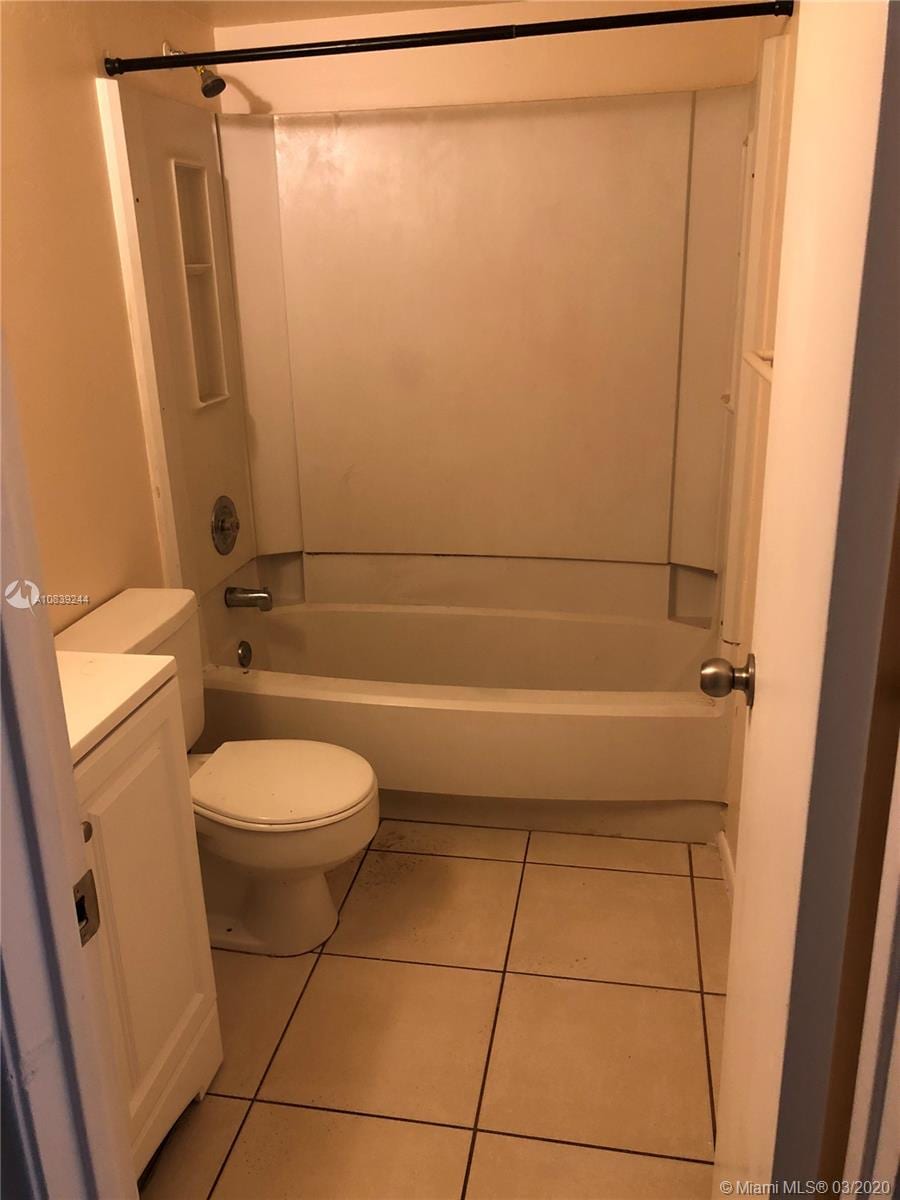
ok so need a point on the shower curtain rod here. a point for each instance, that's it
(449, 37)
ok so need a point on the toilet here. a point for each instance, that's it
(272, 816)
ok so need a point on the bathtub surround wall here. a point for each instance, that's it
(255, 228)
(509, 279)
(544, 584)
(517, 357)
(168, 170)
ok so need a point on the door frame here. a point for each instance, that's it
(829, 502)
(64, 1130)
(853, 655)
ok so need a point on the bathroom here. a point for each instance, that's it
(400, 441)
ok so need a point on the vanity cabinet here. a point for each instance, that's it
(150, 955)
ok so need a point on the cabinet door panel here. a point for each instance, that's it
(154, 945)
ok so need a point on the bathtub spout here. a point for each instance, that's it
(238, 597)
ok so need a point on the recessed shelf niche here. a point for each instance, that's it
(200, 282)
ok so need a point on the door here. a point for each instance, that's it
(783, 844)
(152, 941)
(63, 1122)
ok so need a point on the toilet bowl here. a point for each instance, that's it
(272, 817)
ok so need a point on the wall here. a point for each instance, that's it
(484, 324)
(620, 62)
(484, 328)
(358, 495)
(65, 326)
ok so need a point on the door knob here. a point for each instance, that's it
(718, 678)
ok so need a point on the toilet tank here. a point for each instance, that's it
(149, 621)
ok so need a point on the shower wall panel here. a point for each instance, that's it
(483, 314)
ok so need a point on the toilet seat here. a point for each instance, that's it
(282, 785)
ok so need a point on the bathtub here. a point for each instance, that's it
(466, 703)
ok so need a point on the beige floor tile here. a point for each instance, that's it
(298, 1154)
(429, 909)
(611, 925)
(715, 1027)
(507, 1168)
(622, 854)
(714, 924)
(341, 877)
(255, 996)
(612, 1066)
(393, 1039)
(706, 862)
(195, 1149)
(465, 841)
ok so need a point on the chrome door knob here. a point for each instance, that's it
(718, 678)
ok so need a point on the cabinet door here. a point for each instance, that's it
(153, 941)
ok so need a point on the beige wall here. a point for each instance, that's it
(64, 320)
(621, 62)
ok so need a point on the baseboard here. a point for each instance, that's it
(727, 863)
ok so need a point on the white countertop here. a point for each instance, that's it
(101, 690)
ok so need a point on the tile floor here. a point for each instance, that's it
(498, 1016)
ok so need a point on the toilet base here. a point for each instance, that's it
(266, 889)
(280, 915)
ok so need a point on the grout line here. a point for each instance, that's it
(653, 987)
(411, 962)
(530, 1137)
(709, 1079)
(318, 954)
(490, 1045)
(417, 962)
(531, 862)
(619, 837)
(514, 862)
(373, 1116)
(359, 865)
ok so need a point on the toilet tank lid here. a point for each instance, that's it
(136, 621)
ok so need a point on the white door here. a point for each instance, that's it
(152, 941)
(837, 92)
(64, 1126)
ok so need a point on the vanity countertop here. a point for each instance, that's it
(101, 690)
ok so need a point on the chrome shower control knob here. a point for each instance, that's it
(224, 525)
(718, 678)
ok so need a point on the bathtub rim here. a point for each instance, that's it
(453, 697)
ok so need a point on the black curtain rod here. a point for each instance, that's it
(449, 37)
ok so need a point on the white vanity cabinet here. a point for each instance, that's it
(150, 956)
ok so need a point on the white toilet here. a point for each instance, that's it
(272, 816)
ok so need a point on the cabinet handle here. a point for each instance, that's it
(87, 830)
